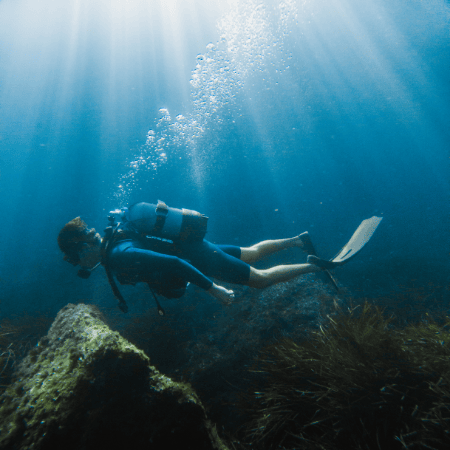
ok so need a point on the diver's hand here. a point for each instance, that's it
(224, 295)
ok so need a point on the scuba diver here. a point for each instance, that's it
(165, 248)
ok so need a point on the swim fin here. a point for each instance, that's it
(322, 263)
(308, 247)
(360, 238)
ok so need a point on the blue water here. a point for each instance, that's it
(270, 117)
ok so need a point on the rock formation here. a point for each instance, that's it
(85, 387)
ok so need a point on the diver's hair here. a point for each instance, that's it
(71, 239)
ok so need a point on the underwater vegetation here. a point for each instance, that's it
(7, 356)
(356, 383)
(17, 336)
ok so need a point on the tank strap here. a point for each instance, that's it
(161, 213)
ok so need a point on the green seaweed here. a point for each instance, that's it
(17, 336)
(7, 353)
(356, 383)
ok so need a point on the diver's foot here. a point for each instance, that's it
(304, 242)
(299, 241)
(322, 263)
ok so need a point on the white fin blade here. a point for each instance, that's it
(360, 237)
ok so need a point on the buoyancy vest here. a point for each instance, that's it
(108, 240)
(161, 221)
(143, 220)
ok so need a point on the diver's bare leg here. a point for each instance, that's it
(266, 248)
(264, 278)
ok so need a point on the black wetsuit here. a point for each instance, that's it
(168, 267)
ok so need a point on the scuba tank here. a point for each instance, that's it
(161, 221)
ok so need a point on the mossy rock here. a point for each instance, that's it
(84, 387)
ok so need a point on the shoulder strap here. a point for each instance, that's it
(110, 233)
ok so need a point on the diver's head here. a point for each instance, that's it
(76, 241)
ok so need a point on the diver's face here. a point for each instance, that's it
(89, 254)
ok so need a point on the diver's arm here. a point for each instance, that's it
(224, 295)
(150, 261)
(192, 274)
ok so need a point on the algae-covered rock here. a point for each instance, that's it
(84, 386)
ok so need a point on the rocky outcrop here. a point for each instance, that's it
(85, 387)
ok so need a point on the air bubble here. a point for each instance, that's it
(251, 40)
